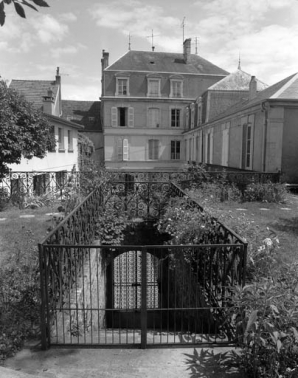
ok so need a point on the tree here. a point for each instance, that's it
(24, 131)
(19, 8)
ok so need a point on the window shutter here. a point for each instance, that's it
(114, 116)
(125, 149)
(211, 147)
(119, 149)
(130, 117)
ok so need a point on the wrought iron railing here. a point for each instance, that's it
(18, 186)
(68, 258)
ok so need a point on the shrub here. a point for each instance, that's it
(266, 317)
(20, 296)
(265, 192)
(4, 198)
(184, 223)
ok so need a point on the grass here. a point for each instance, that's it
(16, 232)
(276, 219)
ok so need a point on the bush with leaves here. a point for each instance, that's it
(185, 223)
(265, 314)
(265, 192)
(20, 297)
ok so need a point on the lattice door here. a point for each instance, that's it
(127, 281)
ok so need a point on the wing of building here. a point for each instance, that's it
(144, 98)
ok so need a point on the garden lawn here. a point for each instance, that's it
(23, 233)
(266, 219)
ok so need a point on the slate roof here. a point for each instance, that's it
(34, 90)
(152, 61)
(238, 81)
(86, 113)
(286, 89)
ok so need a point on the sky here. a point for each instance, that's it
(71, 34)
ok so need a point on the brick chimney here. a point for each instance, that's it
(252, 88)
(104, 64)
(104, 60)
(48, 102)
(187, 50)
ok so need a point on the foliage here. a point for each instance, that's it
(19, 294)
(185, 223)
(24, 131)
(110, 226)
(4, 198)
(86, 149)
(266, 316)
(19, 8)
(265, 192)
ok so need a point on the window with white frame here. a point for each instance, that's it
(176, 88)
(153, 117)
(122, 86)
(60, 139)
(69, 141)
(175, 149)
(153, 149)
(175, 117)
(122, 149)
(153, 89)
(209, 146)
(122, 116)
(247, 141)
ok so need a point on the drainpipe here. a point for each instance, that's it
(265, 108)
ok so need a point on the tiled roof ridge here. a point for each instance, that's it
(261, 96)
(285, 86)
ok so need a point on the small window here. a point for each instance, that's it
(153, 88)
(60, 139)
(153, 149)
(175, 149)
(175, 117)
(153, 117)
(52, 133)
(122, 87)
(122, 116)
(176, 88)
(70, 140)
(91, 119)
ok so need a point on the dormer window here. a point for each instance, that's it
(176, 88)
(122, 86)
(153, 88)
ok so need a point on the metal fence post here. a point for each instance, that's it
(43, 322)
(144, 300)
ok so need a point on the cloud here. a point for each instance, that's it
(68, 17)
(84, 93)
(48, 29)
(58, 51)
(134, 17)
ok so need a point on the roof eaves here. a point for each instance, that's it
(64, 121)
(284, 87)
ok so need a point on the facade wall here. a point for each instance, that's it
(289, 165)
(139, 128)
(193, 85)
(64, 159)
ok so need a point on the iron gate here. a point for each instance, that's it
(142, 296)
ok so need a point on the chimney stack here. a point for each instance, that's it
(48, 102)
(187, 50)
(252, 88)
(104, 60)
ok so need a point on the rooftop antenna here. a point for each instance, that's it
(152, 39)
(183, 26)
(239, 62)
(129, 41)
(196, 45)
